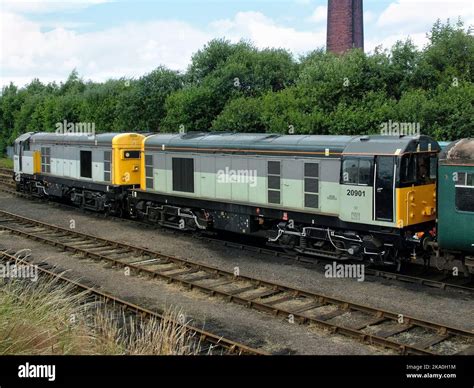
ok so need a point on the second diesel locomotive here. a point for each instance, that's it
(342, 197)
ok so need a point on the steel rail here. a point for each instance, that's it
(104, 249)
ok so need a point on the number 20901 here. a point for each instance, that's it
(355, 193)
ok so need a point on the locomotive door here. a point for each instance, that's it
(384, 188)
(20, 155)
(208, 181)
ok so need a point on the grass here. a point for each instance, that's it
(6, 163)
(49, 317)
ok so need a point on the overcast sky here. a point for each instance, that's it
(110, 39)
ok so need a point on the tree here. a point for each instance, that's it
(227, 71)
(242, 114)
(448, 57)
(211, 57)
(73, 84)
(9, 106)
(189, 109)
(150, 97)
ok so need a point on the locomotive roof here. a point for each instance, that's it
(391, 145)
(24, 136)
(458, 152)
(51, 137)
(317, 144)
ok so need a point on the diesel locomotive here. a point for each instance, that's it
(94, 172)
(367, 198)
(341, 197)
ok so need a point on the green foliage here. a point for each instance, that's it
(142, 103)
(237, 87)
(448, 56)
(242, 114)
(211, 57)
(6, 163)
(189, 109)
(287, 112)
(221, 73)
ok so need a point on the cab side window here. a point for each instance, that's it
(365, 170)
(424, 165)
(408, 169)
(357, 172)
(434, 167)
(418, 169)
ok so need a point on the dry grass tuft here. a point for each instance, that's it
(51, 317)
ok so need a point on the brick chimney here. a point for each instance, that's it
(345, 25)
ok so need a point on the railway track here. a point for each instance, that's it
(432, 280)
(4, 170)
(404, 334)
(215, 343)
(6, 179)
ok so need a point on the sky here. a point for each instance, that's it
(106, 39)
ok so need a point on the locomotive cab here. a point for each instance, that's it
(390, 181)
(25, 160)
(416, 188)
